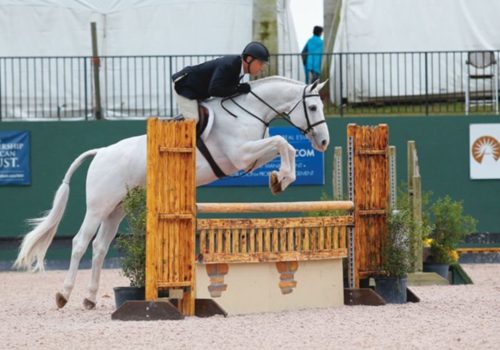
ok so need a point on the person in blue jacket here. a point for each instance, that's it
(312, 55)
(220, 77)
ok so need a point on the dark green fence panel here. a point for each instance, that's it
(442, 143)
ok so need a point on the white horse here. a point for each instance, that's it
(235, 143)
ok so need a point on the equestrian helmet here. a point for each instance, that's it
(256, 50)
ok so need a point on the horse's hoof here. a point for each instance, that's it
(88, 304)
(274, 183)
(60, 300)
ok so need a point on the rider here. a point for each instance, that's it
(220, 77)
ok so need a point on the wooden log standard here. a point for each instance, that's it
(274, 207)
(368, 169)
(171, 214)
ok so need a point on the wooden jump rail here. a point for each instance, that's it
(273, 239)
(172, 222)
(477, 250)
(273, 207)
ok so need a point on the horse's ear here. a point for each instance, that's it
(313, 86)
(321, 85)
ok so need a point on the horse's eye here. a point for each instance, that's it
(312, 108)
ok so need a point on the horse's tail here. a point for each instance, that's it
(35, 244)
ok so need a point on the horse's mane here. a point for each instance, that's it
(273, 78)
(263, 81)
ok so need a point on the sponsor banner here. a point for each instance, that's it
(484, 151)
(309, 164)
(15, 158)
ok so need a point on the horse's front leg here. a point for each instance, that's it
(253, 154)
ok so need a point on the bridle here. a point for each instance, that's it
(284, 115)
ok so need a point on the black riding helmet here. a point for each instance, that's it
(256, 50)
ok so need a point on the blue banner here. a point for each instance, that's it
(15, 158)
(309, 164)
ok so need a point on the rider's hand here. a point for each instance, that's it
(243, 88)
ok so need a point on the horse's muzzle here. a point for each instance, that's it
(319, 141)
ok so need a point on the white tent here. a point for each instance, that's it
(287, 41)
(41, 28)
(126, 27)
(392, 27)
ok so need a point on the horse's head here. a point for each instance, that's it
(297, 103)
(309, 117)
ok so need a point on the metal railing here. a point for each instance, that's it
(60, 88)
(409, 83)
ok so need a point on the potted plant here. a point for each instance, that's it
(396, 262)
(132, 246)
(450, 226)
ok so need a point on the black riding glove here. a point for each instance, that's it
(243, 88)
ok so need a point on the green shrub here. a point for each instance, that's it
(132, 245)
(396, 258)
(418, 230)
(450, 227)
(404, 234)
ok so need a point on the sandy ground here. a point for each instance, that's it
(448, 317)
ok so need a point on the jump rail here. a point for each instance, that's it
(274, 207)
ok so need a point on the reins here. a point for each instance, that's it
(283, 115)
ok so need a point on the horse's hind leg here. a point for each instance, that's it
(100, 247)
(80, 244)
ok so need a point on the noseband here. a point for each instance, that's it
(284, 115)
